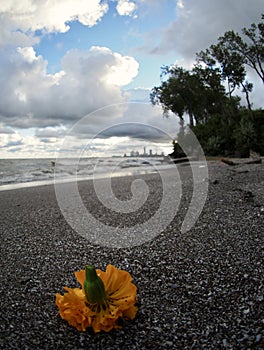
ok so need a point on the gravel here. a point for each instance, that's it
(199, 290)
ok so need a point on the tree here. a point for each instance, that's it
(253, 52)
(213, 91)
(247, 88)
(197, 92)
(206, 93)
(169, 95)
(233, 53)
(250, 49)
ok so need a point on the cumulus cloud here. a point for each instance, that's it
(125, 8)
(25, 145)
(6, 130)
(118, 70)
(14, 37)
(139, 94)
(9, 140)
(13, 143)
(50, 16)
(180, 4)
(49, 132)
(89, 80)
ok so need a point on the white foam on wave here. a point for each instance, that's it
(41, 172)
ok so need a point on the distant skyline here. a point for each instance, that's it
(66, 59)
(146, 152)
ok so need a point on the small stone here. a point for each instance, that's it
(169, 343)
(258, 338)
(225, 344)
(215, 182)
(246, 311)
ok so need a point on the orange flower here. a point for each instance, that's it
(99, 305)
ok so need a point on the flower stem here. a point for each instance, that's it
(94, 286)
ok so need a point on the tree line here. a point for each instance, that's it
(207, 94)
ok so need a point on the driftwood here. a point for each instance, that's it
(183, 160)
(250, 161)
(227, 161)
(180, 160)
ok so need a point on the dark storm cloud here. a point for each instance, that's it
(136, 131)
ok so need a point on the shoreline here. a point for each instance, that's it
(121, 173)
(124, 172)
(201, 289)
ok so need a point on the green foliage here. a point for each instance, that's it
(213, 146)
(234, 136)
(197, 92)
(230, 63)
(216, 135)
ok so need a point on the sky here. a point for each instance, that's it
(75, 75)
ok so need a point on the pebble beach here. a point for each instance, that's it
(203, 289)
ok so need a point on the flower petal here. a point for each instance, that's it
(80, 276)
(130, 312)
(114, 278)
(73, 308)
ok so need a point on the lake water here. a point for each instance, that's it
(16, 173)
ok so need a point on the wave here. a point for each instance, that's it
(24, 171)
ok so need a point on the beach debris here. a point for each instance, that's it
(182, 160)
(104, 298)
(227, 161)
(249, 161)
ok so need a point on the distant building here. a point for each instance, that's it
(150, 153)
